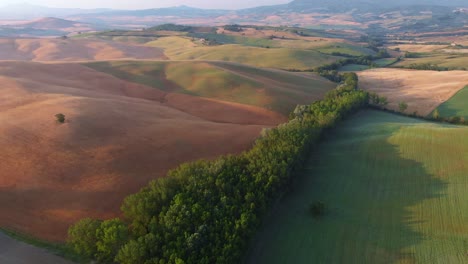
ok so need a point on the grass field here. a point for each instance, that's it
(385, 62)
(456, 106)
(179, 48)
(274, 90)
(353, 68)
(396, 192)
(346, 48)
(441, 59)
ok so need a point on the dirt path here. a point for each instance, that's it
(16, 252)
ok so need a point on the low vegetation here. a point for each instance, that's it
(60, 118)
(207, 211)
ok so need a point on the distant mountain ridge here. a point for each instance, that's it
(50, 23)
(437, 14)
(28, 11)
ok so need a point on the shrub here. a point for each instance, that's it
(318, 209)
(402, 106)
(60, 118)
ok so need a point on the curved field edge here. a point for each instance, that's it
(274, 90)
(207, 211)
(456, 106)
(395, 192)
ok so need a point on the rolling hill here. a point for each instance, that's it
(117, 137)
(275, 90)
(46, 27)
(53, 50)
(455, 106)
(423, 91)
(279, 58)
(49, 23)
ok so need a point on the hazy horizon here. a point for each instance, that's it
(144, 4)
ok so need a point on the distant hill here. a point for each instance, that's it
(332, 14)
(27, 11)
(180, 11)
(52, 23)
(48, 26)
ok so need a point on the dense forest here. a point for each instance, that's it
(208, 211)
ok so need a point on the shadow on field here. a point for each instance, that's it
(369, 189)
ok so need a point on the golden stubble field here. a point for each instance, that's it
(423, 91)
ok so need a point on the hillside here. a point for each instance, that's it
(279, 58)
(455, 106)
(73, 50)
(423, 91)
(395, 192)
(50, 23)
(118, 136)
(275, 90)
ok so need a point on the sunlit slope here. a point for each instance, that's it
(281, 58)
(275, 90)
(52, 50)
(395, 189)
(423, 91)
(117, 137)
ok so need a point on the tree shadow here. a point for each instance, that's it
(369, 189)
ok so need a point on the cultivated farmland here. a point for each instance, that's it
(52, 50)
(455, 106)
(423, 91)
(395, 189)
(275, 90)
(117, 137)
(280, 58)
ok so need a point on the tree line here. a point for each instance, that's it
(208, 211)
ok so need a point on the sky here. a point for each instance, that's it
(144, 4)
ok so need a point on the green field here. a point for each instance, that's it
(451, 61)
(456, 106)
(275, 90)
(385, 62)
(353, 68)
(395, 189)
(179, 48)
(346, 48)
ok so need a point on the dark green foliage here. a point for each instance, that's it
(172, 27)
(111, 236)
(208, 211)
(428, 67)
(402, 106)
(377, 100)
(412, 55)
(233, 28)
(60, 118)
(82, 237)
